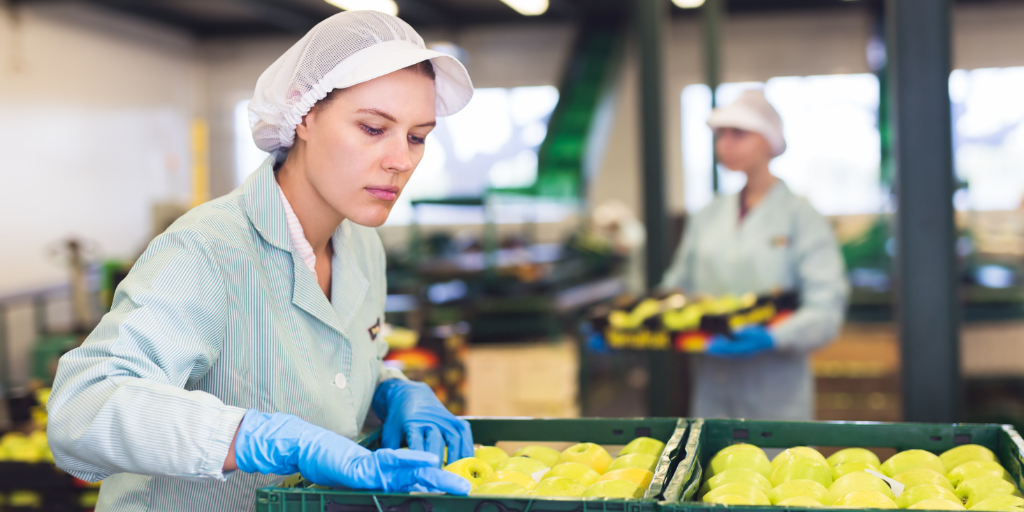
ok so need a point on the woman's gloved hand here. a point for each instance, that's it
(411, 409)
(745, 343)
(282, 444)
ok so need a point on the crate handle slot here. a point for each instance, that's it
(936, 439)
(643, 432)
(497, 504)
(740, 433)
(961, 438)
(617, 432)
(766, 435)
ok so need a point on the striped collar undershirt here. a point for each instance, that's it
(298, 236)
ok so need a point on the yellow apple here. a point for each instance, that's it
(647, 445)
(515, 477)
(614, 489)
(498, 489)
(472, 469)
(744, 489)
(975, 490)
(579, 472)
(850, 467)
(799, 502)
(936, 504)
(865, 499)
(742, 456)
(805, 451)
(799, 467)
(925, 492)
(524, 465)
(912, 459)
(999, 503)
(862, 481)
(549, 456)
(853, 455)
(920, 476)
(558, 486)
(490, 454)
(640, 477)
(793, 488)
(587, 453)
(954, 457)
(976, 468)
(736, 475)
(634, 460)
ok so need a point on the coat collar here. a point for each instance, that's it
(348, 284)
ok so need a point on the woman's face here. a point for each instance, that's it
(741, 150)
(362, 146)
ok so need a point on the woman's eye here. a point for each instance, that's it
(372, 131)
(416, 140)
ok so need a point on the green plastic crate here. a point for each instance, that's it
(672, 431)
(706, 437)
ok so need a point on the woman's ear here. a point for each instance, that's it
(302, 129)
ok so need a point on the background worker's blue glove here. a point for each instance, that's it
(413, 410)
(282, 444)
(746, 343)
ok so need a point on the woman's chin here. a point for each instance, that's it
(371, 217)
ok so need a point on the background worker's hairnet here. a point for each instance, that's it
(753, 113)
(346, 49)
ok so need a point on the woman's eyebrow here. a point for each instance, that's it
(389, 117)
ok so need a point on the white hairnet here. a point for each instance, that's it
(753, 113)
(346, 49)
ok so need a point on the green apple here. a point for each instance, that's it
(861, 481)
(587, 453)
(515, 477)
(498, 489)
(614, 489)
(640, 477)
(936, 504)
(925, 492)
(954, 457)
(472, 469)
(741, 447)
(634, 460)
(558, 486)
(490, 454)
(976, 468)
(799, 502)
(736, 475)
(920, 476)
(647, 445)
(794, 488)
(999, 503)
(736, 456)
(805, 451)
(912, 459)
(853, 455)
(732, 499)
(549, 456)
(975, 490)
(850, 467)
(865, 499)
(582, 473)
(744, 489)
(524, 465)
(799, 467)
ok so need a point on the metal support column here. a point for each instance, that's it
(711, 17)
(926, 268)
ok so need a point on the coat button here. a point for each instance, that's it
(340, 381)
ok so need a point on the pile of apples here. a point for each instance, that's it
(966, 477)
(582, 470)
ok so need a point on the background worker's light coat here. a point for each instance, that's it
(218, 316)
(783, 244)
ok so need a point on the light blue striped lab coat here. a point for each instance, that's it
(783, 244)
(218, 316)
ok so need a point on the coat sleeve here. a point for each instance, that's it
(822, 286)
(119, 402)
(680, 274)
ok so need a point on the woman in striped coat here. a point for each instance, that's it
(245, 343)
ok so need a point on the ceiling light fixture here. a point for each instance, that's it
(528, 7)
(384, 6)
(688, 4)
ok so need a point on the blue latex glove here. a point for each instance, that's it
(746, 343)
(282, 444)
(411, 409)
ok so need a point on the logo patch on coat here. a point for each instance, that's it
(374, 330)
(780, 241)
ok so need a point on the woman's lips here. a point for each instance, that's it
(384, 193)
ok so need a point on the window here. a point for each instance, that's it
(833, 156)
